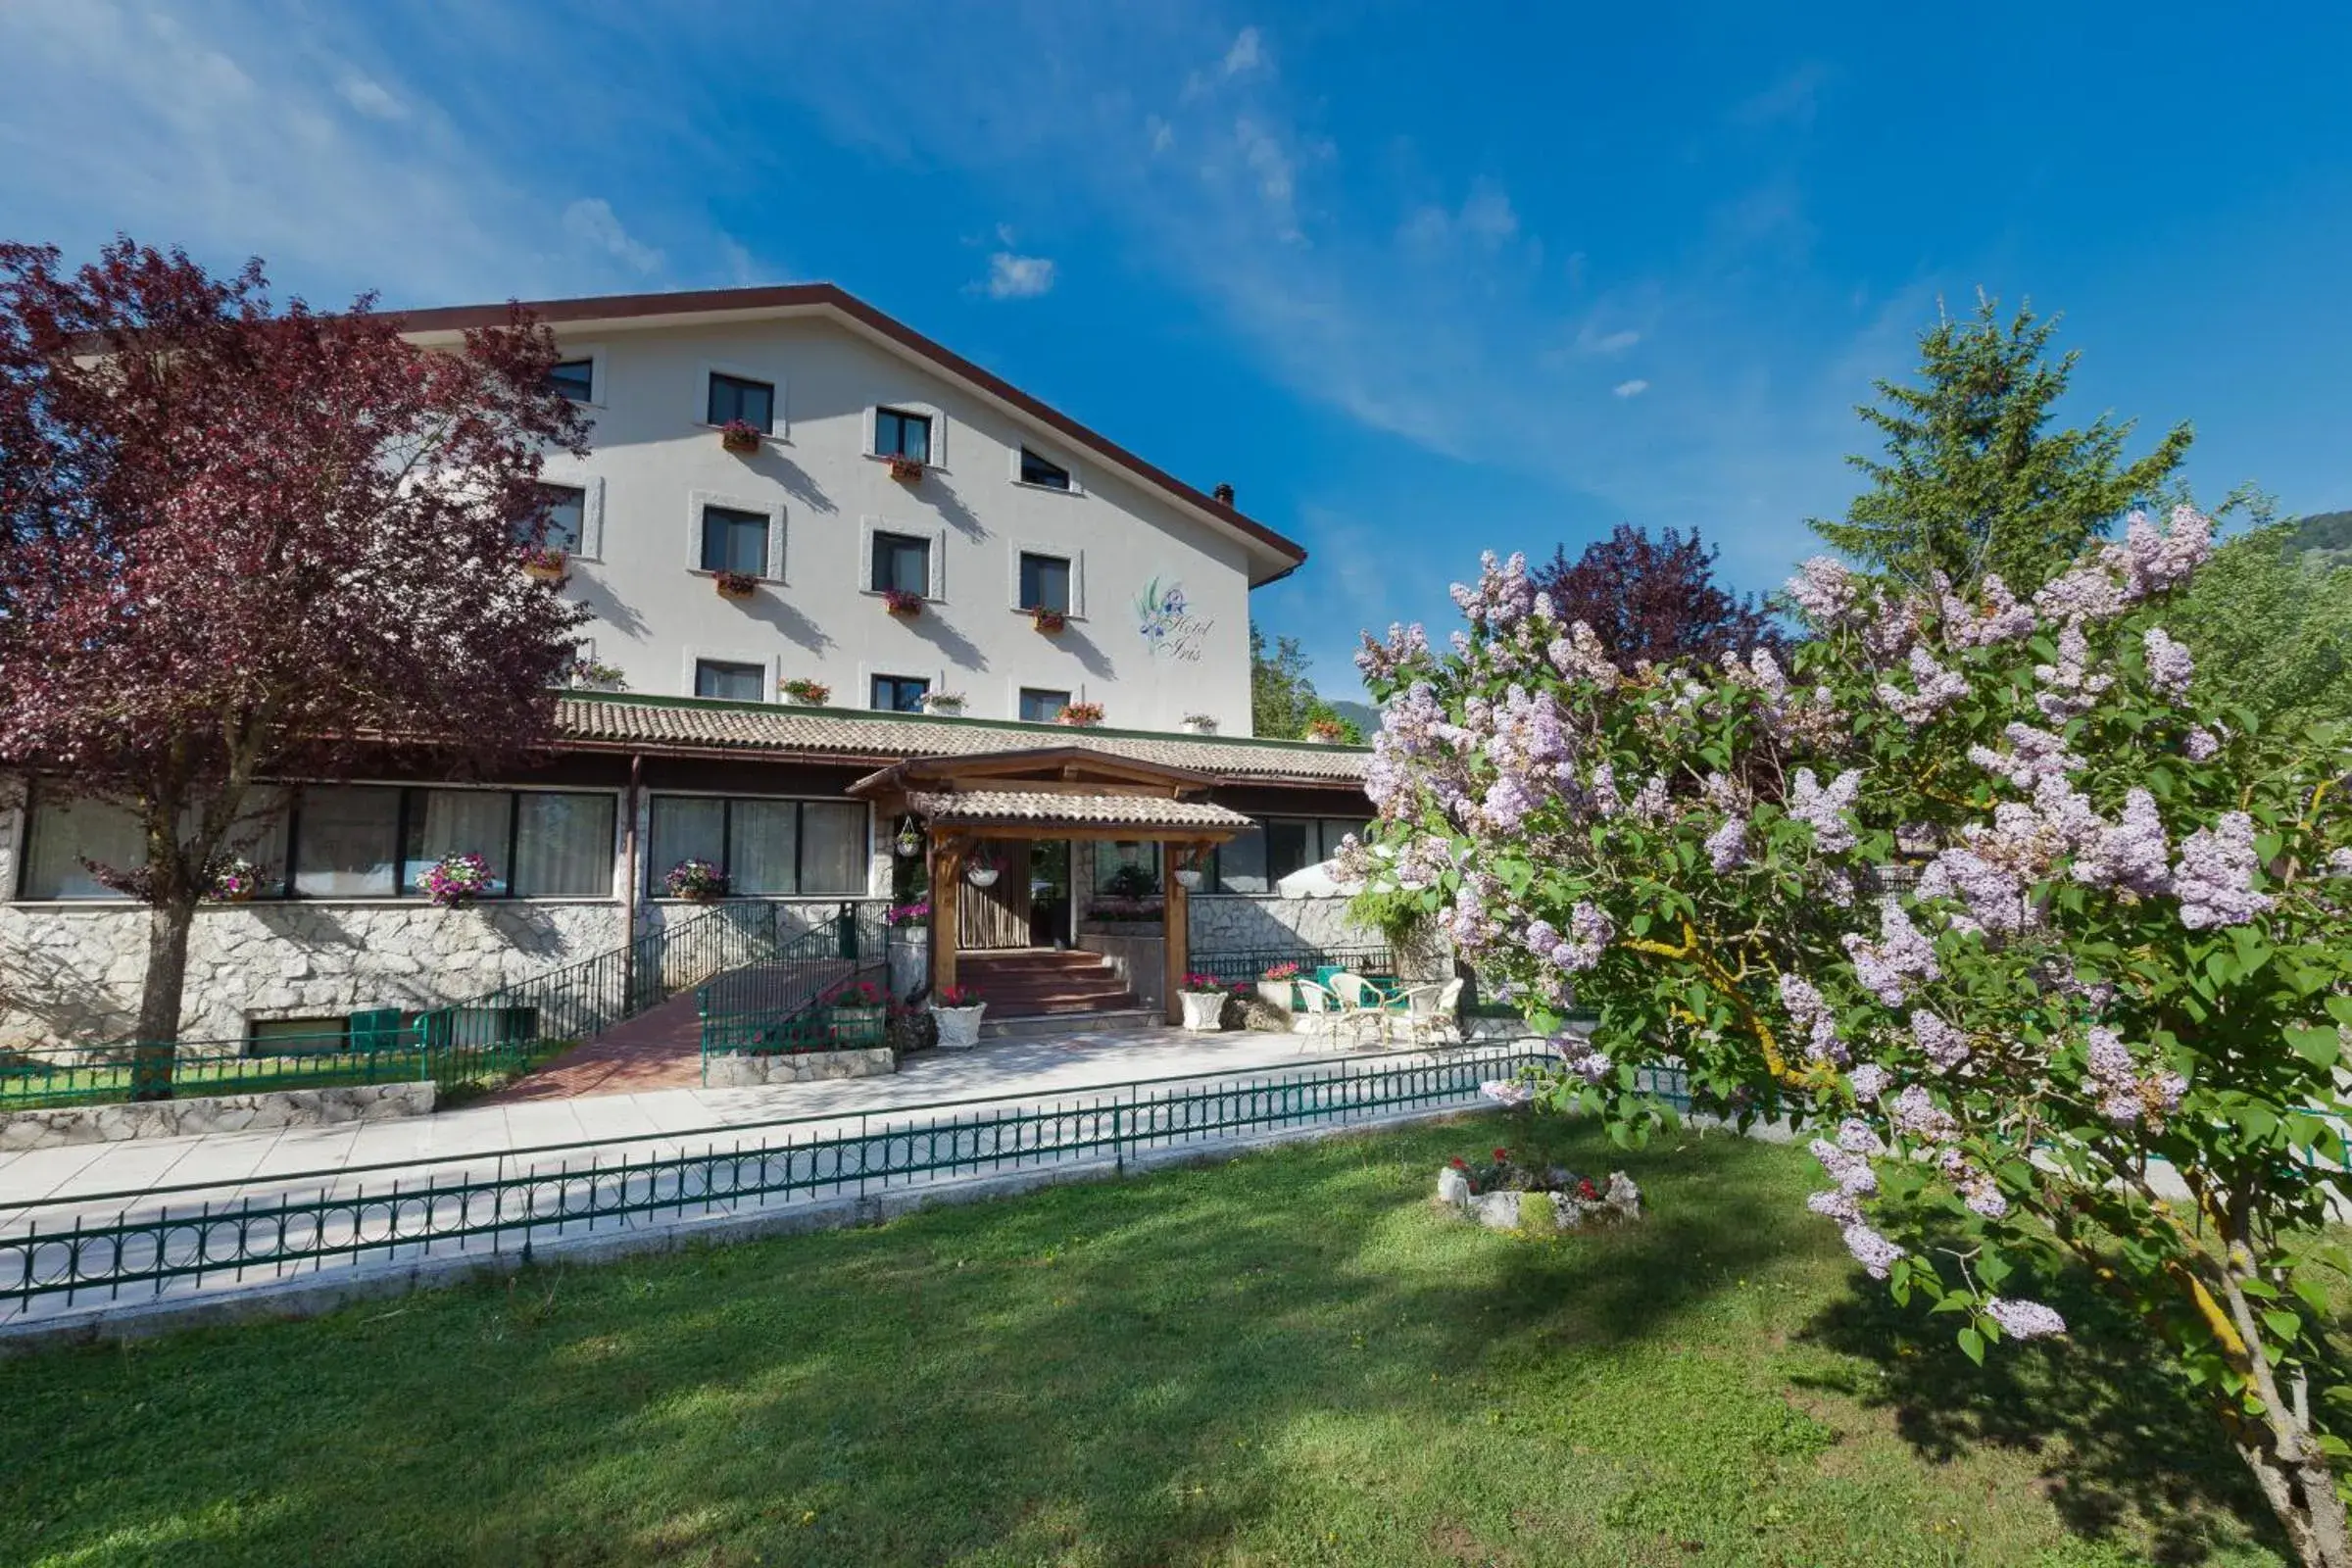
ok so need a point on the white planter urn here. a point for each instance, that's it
(959, 1027)
(1203, 1010)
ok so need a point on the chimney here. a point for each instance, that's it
(1224, 494)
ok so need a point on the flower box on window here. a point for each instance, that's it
(1198, 724)
(741, 437)
(455, 879)
(1049, 621)
(1327, 733)
(591, 675)
(696, 881)
(545, 563)
(900, 602)
(950, 704)
(736, 584)
(1080, 715)
(907, 470)
(806, 693)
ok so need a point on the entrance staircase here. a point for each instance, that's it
(1034, 992)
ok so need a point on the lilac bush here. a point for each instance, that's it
(2057, 959)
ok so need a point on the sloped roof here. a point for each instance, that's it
(1047, 810)
(853, 735)
(788, 299)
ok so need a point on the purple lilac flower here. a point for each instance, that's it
(1582, 1058)
(1856, 1136)
(1891, 967)
(1996, 899)
(1875, 1252)
(1650, 803)
(2002, 620)
(1383, 661)
(1602, 792)
(1837, 1205)
(1824, 591)
(2114, 1075)
(1824, 809)
(1504, 596)
(1849, 1170)
(2024, 1320)
(2131, 853)
(1869, 1081)
(2201, 746)
(1810, 1013)
(1916, 1114)
(1509, 1092)
(1580, 656)
(1937, 689)
(1727, 845)
(1764, 672)
(2170, 667)
(1530, 750)
(1944, 1045)
(2071, 688)
(2214, 880)
(2152, 561)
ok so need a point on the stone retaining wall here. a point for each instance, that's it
(213, 1113)
(799, 1067)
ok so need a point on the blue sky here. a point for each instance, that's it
(1418, 280)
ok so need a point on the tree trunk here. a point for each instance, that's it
(156, 1040)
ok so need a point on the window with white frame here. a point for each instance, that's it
(1045, 582)
(739, 397)
(565, 511)
(727, 680)
(574, 379)
(767, 848)
(1040, 705)
(1043, 471)
(902, 433)
(735, 540)
(901, 564)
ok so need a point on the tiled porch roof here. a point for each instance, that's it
(687, 724)
(1047, 810)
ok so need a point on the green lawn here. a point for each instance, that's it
(1284, 1359)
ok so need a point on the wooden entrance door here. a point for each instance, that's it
(996, 917)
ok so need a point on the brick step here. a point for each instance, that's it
(1031, 963)
(1038, 1026)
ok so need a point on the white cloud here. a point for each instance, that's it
(1613, 342)
(1018, 277)
(1163, 134)
(1630, 389)
(1245, 55)
(591, 221)
(372, 98)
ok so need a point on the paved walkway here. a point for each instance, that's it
(48, 1184)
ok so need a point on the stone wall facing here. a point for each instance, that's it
(213, 1113)
(1245, 922)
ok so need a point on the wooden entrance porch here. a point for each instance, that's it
(972, 808)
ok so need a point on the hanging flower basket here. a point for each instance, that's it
(1198, 724)
(805, 693)
(455, 879)
(235, 880)
(736, 584)
(1189, 878)
(910, 844)
(950, 704)
(899, 602)
(545, 564)
(982, 873)
(696, 881)
(1080, 715)
(741, 437)
(1049, 621)
(907, 470)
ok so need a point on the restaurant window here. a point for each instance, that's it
(736, 683)
(1126, 869)
(900, 694)
(1240, 864)
(1292, 843)
(767, 848)
(1045, 583)
(734, 540)
(735, 397)
(574, 379)
(900, 434)
(1042, 707)
(902, 564)
(1043, 471)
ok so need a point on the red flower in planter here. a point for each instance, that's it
(1502, 1155)
(1586, 1190)
(1460, 1164)
(899, 602)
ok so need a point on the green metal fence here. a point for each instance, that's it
(825, 989)
(1241, 964)
(161, 1239)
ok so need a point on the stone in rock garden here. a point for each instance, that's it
(1453, 1188)
(1497, 1211)
(1623, 1195)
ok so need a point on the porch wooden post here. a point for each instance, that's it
(947, 881)
(1176, 929)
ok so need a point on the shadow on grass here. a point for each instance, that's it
(1115, 1365)
(2118, 1437)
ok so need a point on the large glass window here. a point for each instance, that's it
(737, 683)
(902, 564)
(900, 694)
(1292, 843)
(1045, 583)
(735, 541)
(733, 397)
(767, 848)
(1042, 707)
(1240, 863)
(1041, 471)
(1126, 869)
(899, 434)
(355, 840)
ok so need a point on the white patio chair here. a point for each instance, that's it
(1325, 1017)
(1436, 1013)
(1361, 1007)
